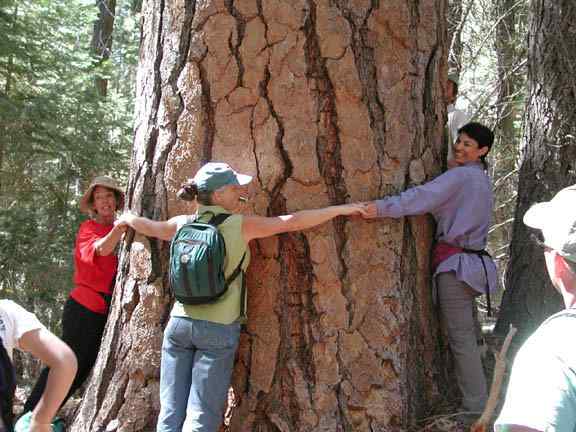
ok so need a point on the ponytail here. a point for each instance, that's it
(188, 191)
(7, 388)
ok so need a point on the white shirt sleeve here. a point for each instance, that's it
(15, 321)
(456, 119)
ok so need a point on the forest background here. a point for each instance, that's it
(67, 79)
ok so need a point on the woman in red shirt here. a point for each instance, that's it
(95, 264)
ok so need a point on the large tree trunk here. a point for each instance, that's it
(324, 102)
(549, 158)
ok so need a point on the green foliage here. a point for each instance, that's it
(55, 134)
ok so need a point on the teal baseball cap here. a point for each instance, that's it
(214, 175)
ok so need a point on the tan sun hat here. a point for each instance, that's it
(105, 181)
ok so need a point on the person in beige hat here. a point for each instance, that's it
(541, 395)
(95, 264)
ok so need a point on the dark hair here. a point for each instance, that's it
(189, 191)
(7, 387)
(482, 135)
(454, 86)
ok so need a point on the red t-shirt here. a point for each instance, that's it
(93, 274)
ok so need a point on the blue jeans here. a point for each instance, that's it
(197, 362)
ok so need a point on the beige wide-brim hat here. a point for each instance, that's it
(105, 181)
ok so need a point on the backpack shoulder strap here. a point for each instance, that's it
(236, 271)
(233, 276)
(218, 219)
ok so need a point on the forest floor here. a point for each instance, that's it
(444, 418)
(447, 417)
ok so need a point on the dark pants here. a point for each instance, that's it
(82, 330)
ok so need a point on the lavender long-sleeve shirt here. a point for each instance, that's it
(461, 201)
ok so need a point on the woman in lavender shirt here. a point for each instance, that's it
(461, 202)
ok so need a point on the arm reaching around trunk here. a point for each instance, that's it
(255, 227)
(163, 230)
(106, 245)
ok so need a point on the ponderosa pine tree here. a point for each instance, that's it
(324, 103)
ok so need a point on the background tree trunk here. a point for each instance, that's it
(549, 158)
(102, 39)
(504, 160)
(455, 18)
(325, 103)
(5, 96)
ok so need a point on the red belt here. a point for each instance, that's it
(443, 251)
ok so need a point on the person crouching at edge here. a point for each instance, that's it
(200, 341)
(20, 329)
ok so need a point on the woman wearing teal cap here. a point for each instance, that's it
(200, 341)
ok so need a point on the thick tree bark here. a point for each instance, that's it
(549, 158)
(324, 102)
(102, 38)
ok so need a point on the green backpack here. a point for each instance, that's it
(23, 424)
(197, 257)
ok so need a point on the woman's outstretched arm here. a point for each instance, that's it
(419, 199)
(164, 230)
(255, 227)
